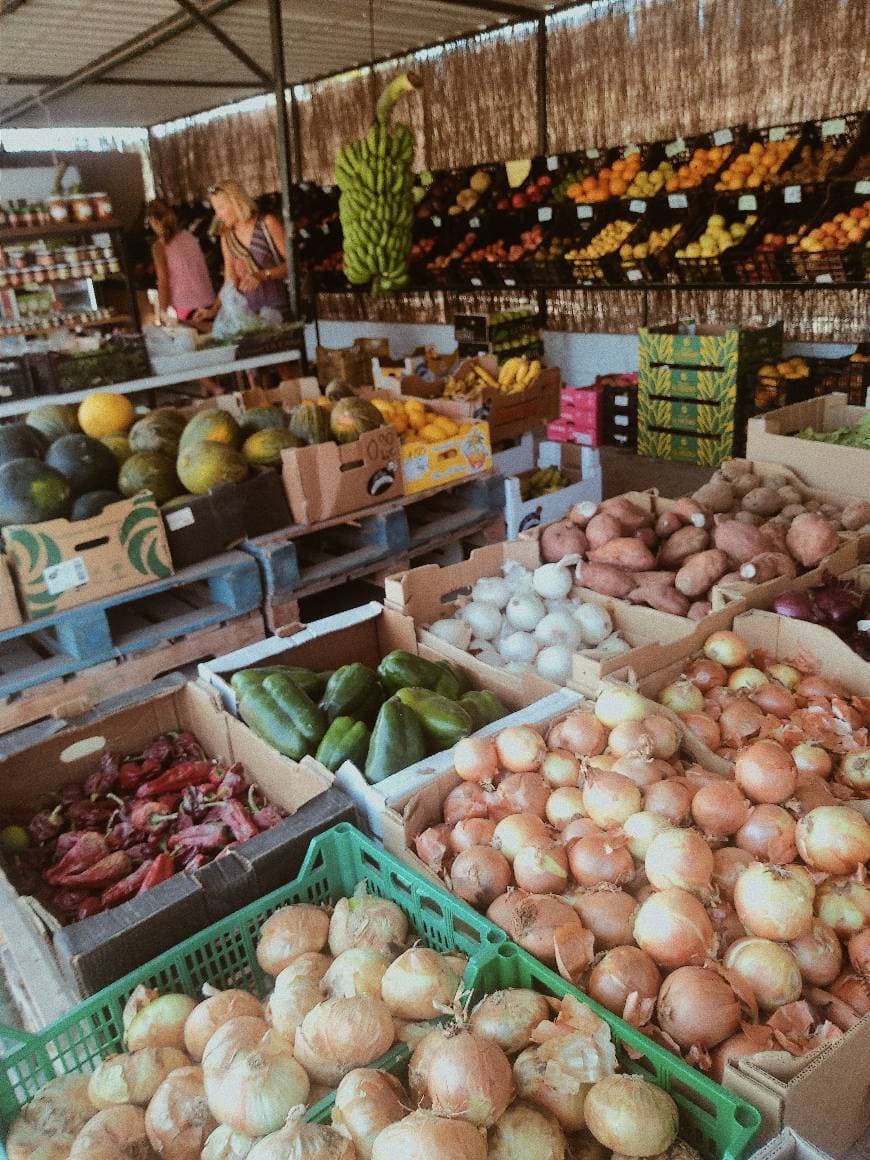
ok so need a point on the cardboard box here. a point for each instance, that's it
(520, 514)
(10, 613)
(98, 950)
(367, 634)
(59, 564)
(788, 1145)
(516, 456)
(428, 465)
(352, 365)
(286, 395)
(822, 465)
(720, 348)
(331, 479)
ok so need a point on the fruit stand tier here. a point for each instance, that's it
(56, 229)
(152, 382)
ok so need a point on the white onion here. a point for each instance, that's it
(612, 646)
(519, 668)
(114, 1134)
(367, 921)
(455, 632)
(519, 647)
(485, 619)
(252, 1089)
(618, 703)
(341, 1034)
(178, 1120)
(555, 663)
(366, 1102)
(554, 581)
(225, 1144)
(133, 1077)
(492, 589)
(424, 1136)
(595, 623)
(558, 628)
(525, 610)
(357, 971)
(48, 1125)
(420, 982)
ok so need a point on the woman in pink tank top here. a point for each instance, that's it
(182, 275)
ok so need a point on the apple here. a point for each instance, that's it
(519, 200)
(502, 203)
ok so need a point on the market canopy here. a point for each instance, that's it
(97, 62)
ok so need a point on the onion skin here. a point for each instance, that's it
(366, 1102)
(844, 905)
(327, 1045)
(424, 1136)
(508, 1018)
(520, 793)
(620, 972)
(531, 921)
(775, 902)
(859, 952)
(628, 1115)
(466, 800)
(736, 1047)
(475, 759)
(674, 928)
(178, 1120)
(697, 1007)
(480, 874)
(49, 1123)
(728, 864)
(672, 799)
(852, 990)
(740, 719)
(819, 954)
(768, 834)
(211, 1014)
(834, 839)
(471, 832)
(539, 869)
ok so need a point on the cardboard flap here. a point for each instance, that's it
(329, 479)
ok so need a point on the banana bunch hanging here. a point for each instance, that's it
(376, 206)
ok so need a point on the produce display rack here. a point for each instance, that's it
(115, 633)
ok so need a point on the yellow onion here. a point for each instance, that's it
(523, 1131)
(117, 1133)
(819, 954)
(218, 1008)
(48, 1125)
(674, 928)
(178, 1120)
(769, 970)
(357, 971)
(134, 1077)
(844, 905)
(621, 972)
(469, 1079)
(618, 703)
(367, 921)
(225, 1144)
(418, 1066)
(424, 1136)
(252, 1087)
(641, 828)
(697, 1007)
(775, 902)
(291, 1001)
(160, 1023)
(631, 1116)
(610, 798)
(835, 839)
(557, 1074)
(420, 982)
(341, 1034)
(508, 1018)
(366, 1102)
(680, 858)
(298, 1139)
(289, 932)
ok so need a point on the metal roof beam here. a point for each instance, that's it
(139, 82)
(227, 41)
(515, 11)
(137, 46)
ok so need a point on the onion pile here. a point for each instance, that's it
(230, 1077)
(692, 903)
(533, 621)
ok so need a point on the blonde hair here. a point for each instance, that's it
(239, 198)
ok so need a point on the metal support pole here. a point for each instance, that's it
(279, 74)
(541, 78)
(296, 135)
(227, 41)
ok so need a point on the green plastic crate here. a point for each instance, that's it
(713, 1120)
(224, 955)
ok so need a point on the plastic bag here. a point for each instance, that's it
(234, 315)
(163, 340)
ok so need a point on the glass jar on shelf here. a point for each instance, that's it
(61, 272)
(82, 208)
(58, 209)
(102, 206)
(114, 266)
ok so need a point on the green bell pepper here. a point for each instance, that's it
(310, 682)
(483, 706)
(352, 691)
(397, 741)
(284, 716)
(402, 670)
(444, 722)
(344, 740)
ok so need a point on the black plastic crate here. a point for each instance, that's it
(719, 268)
(829, 149)
(845, 265)
(271, 341)
(15, 380)
(120, 359)
(765, 253)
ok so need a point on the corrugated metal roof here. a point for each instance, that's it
(46, 39)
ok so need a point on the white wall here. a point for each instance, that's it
(581, 356)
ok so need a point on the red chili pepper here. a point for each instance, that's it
(185, 747)
(195, 861)
(268, 817)
(91, 906)
(102, 873)
(195, 801)
(46, 825)
(159, 750)
(177, 777)
(126, 887)
(208, 836)
(231, 784)
(65, 843)
(87, 851)
(98, 783)
(133, 773)
(86, 814)
(153, 816)
(161, 868)
(121, 835)
(68, 901)
(234, 815)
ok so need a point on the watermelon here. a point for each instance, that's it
(31, 492)
(87, 463)
(53, 420)
(92, 503)
(18, 441)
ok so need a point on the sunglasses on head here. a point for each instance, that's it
(214, 189)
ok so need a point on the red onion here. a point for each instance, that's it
(796, 605)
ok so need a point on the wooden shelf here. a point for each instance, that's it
(115, 320)
(56, 229)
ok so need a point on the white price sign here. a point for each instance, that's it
(634, 275)
(833, 127)
(436, 221)
(476, 282)
(825, 278)
(747, 201)
(584, 211)
(552, 163)
(723, 137)
(678, 201)
(862, 187)
(637, 205)
(792, 195)
(545, 214)
(675, 147)
(474, 223)
(592, 154)
(778, 133)
(509, 282)
(304, 234)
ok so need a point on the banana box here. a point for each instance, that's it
(566, 474)
(440, 446)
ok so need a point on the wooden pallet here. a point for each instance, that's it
(74, 692)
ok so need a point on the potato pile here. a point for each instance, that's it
(738, 527)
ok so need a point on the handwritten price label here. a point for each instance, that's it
(792, 195)
(748, 202)
(635, 275)
(545, 214)
(637, 205)
(584, 211)
(778, 133)
(552, 163)
(675, 147)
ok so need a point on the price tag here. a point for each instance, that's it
(747, 201)
(509, 282)
(304, 234)
(620, 400)
(675, 147)
(325, 227)
(620, 420)
(304, 185)
(592, 154)
(833, 127)
(723, 137)
(180, 518)
(476, 282)
(545, 213)
(862, 186)
(637, 205)
(474, 223)
(777, 134)
(584, 211)
(61, 577)
(678, 201)
(436, 221)
(792, 195)
(635, 275)
(552, 163)
(825, 278)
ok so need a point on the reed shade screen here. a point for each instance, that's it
(592, 311)
(417, 306)
(624, 71)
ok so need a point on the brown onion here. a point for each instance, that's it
(641, 828)
(818, 954)
(834, 839)
(467, 800)
(852, 990)
(433, 845)
(706, 674)
(609, 914)
(540, 869)
(517, 830)
(768, 833)
(682, 696)
(629, 737)
(740, 720)
(726, 648)
(211, 1014)
(859, 952)
(854, 771)
(844, 905)
(599, 858)
(674, 928)
(366, 1102)
(475, 759)
(581, 733)
(704, 728)
(132, 1077)
(560, 769)
(520, 793)
(810, 758)
(531, 920)
(664, 734)
(818, 686)
(521, 748)
(117, 1133)
(746, 677)
(622, 971)
(468, 1078)
(643, 771)
(769, 970)
(291, 931)
(424, 1136)
(479, 874)
(525, 1131)
(48, 1124)
(565, 804)
(728, 864)
(775, 902)
(418, 984)
(631, 1116)
(578, 828)
(720, 809)
(672, 799)
(178, 1120)
(508, 1018)
(610, 797)
(774, 699)
(341, 1034)
(765, 772)
(471, 832)
(697, 1007)
(680, 858)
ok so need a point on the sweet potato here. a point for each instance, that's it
(734, 469)
(698, 609)
(682, 544)
(647, 536)
(661, 598)
(581, 513)
(667, 523)
(606, 579)
(561, 539)
(700, 572)
(791, 510)
(773, 535)
(690, 511)
(657, 577)
(601, 528)
(744, 484)
(748, 518)
(790, 494)
(855, 515)
(810, 538)
(629, 514)
(739, 541)
(717, 495)
(624, 552)
(768, 566)
(763, 501)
